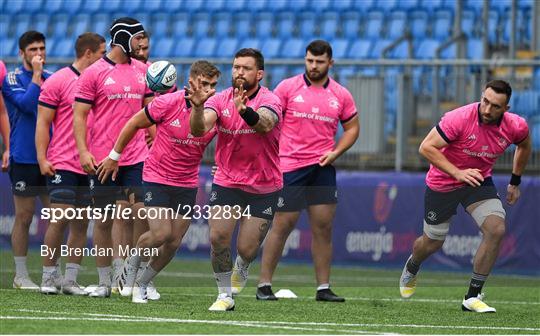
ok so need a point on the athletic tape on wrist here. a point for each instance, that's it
(114, 155)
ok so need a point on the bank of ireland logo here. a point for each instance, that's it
(20, 186)
(280, 202)
(148, 196)
(57, 179)
(213, 196)
(432, 216)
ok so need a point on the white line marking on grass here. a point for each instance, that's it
(371, 325)
(130, 318)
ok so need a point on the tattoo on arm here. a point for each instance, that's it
(221, 259)
(267, 120)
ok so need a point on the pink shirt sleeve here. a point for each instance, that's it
(157, 108)
(3, 72)
(450, 125)
(349, 107)
(272, 102)
(215, 103)
(281, 92)
(86, 88)
(522, 131)
(49, 93)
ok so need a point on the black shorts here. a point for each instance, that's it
(260, 205)
(26, 179)
(128, 181)
(180, 199)
(67, 187)
(307, 186)
(439, 207)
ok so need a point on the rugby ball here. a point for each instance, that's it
(161, 76)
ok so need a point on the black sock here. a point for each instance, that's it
(475, 287)
(412, 267)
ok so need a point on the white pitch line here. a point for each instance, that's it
(371, 325)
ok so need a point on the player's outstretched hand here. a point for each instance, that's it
(240, 99)
(512, 194)
(46, 168)
(196, 93)
(88, 163)
(471, 176)
(107, 167)
(327, 159)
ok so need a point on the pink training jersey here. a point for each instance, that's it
(246, 159)
(175, 155)
(310, 119)
(116, 93)
(473, 144)
(3, 72)
(58, 93)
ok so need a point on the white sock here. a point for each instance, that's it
(104, 275)
(241, 263)
(58, 266)
(134, 261)
(20, 267)
(223, 281)
(72, 270)
(117, 265)
(48, 272)
(147, 275)
(323, 286)
(262, 284)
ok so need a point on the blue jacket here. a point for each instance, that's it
(21, 98)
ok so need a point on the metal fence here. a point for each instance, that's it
(401, 100)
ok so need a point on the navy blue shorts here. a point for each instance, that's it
(260, 205)
(180, 199)
(67, 187)
(307, 186)
(439, 207)
(128, 181)
(26, 179)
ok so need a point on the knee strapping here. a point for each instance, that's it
(438, 231)
(488, 207)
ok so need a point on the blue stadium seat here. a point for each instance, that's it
(300, 6)
(157, 5)
(350, 23)
(431, 5)
(133, 6)
(93, 6)
(242, 25)
(143, 18)
(236, 5)
(359, 49)
(64, 48)
(476, 5)
(227, 47)
(180, 25)
(374, 24)
(293, 48)
(362, 5)
(13, 7)
(378, 46)
(201, 24)
(368, 71)
(493, 24)
(501, 5)
(442, 25)
(408, 5)
(396, 24)
(271, 47)
(308, 24)
(386, 5)
(449, 53)
(469, 23)
(277, 5)
(205, 47)
(257, 5)
(80, 24)
(330, 25)
(190, 6)
(321, 6)
(286, 25)
(212, 6)
(9, 48)
(264, 25)
(275, 74)
(172, 6)
(526, 103)
(343, 74)
(60, 24)
(343, 5)
(112, 6)
(100, 24)
(184, 47)
(71, 6)
(401, 51)
(163, 48)
(250, 43)
(160, 25)
(418, 24)
(475, 49)
(449, 4)
(340, 47)
(22, 24)
(31, 6)
(222, 24)
(5, 24)
(40, 22)
(426, 49)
